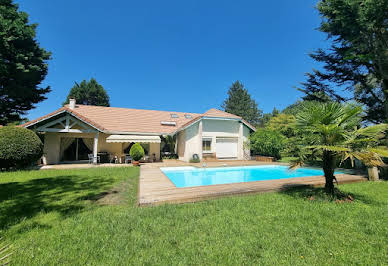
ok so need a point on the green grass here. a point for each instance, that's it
(52, 217)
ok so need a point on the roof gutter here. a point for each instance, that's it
(133, 133)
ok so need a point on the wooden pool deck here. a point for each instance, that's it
(155, 188)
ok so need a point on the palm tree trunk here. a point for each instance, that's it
(328, 169)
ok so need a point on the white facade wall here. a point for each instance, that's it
(155, 148)
(51, 148)
(190, 140)
(219, 128)
(189, 143)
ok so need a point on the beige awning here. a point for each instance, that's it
(133, 138)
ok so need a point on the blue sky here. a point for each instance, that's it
(176, 55)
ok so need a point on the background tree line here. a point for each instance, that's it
(356, 61)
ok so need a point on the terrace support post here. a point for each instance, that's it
(76, 149)
(95, 148)
(176, 144)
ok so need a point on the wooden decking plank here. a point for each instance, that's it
(156, 188)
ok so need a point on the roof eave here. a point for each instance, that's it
(29, 124)
(64, 110)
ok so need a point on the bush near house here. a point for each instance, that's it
(267, 142)
(168, 155)
(195, 160)
(136, 152)
(19, 147)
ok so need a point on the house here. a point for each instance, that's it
(112, 130)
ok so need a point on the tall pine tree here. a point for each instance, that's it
(89, 93)
(357, 59)
(23, 64)
(240, 102)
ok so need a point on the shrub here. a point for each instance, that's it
(195, 159)
(267, 143)
(168, 155)
(19, 147)
(136, 152)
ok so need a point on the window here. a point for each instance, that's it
(168, 123)
(174, 116)
(206, 145)
(188, 116)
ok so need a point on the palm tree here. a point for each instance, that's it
(335, 135)
(5, 252)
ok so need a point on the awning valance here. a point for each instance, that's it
(133, 138)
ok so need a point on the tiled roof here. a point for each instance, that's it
(218, 113)
(113, 119)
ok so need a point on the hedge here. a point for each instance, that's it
(19, 147)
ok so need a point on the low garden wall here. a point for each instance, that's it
(265, 159)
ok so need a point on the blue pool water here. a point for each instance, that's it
(193, 176)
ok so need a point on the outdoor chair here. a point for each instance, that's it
(113, 159)
(146, 158)
(91, 158)
(128, 159)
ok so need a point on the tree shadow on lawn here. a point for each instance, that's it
(62, 194)
(312, 193)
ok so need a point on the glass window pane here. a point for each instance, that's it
(206, 145)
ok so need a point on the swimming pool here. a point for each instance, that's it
(193, 176)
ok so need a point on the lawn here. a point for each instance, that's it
(67, 217)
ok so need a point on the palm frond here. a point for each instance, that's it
(349, 114)
(5, 252)
(301, 158)
(369, 158)
(375, 131)
(294, 164)
(356, 141)
(382, 151)
(348, 155)
(329, 148)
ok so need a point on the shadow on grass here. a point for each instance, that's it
(99, 196)
(319, 194)
(62, 194)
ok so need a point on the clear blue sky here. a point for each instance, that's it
(176, 55)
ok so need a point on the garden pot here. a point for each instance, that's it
(135, 163)
(373, 173)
